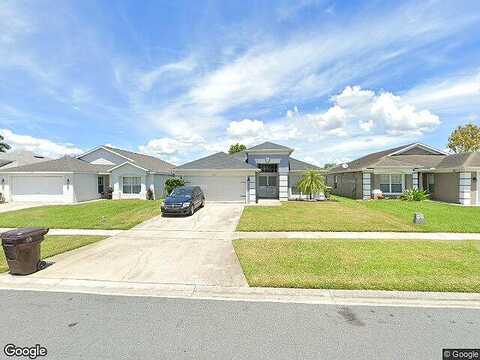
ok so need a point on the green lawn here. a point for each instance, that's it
(107, 214)
(342, 214)
(54, 245)
(415, 265)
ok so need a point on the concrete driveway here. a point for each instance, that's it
(166, 250)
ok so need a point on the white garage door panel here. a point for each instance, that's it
(220, 188)
(37, 188)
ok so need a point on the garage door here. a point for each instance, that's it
(37, 188)
(220, 188)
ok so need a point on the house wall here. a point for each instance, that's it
(159, 185)
(117, 181)
(446, 187)
(349, 184)
(86, 187)
(103, 157)
(474, 189)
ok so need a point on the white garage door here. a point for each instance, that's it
(220, 188)
(37, 188)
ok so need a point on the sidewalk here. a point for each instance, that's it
(190, 291)
(356, 235)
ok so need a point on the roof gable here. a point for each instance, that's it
(418, 149)
(298, 165)
(267, 145)
(217, 161)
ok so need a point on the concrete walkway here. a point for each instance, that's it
(241, 293)
(357, 235)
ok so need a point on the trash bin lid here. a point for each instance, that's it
(21, 234)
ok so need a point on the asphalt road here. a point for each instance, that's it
(79, 326)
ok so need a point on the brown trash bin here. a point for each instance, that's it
(22, 250)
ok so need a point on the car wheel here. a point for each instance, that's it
(202, 204)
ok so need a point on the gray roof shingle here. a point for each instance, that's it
(218, 161)
(20, 158)
(298, 165)
(269, 146)
(64, 164)
(148, 162)
(463, 160)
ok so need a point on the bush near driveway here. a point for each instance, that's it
(54, 245)
(414, 265)
(342, 214)
(104, 214)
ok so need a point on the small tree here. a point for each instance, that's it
(235, 148)
(312, 183)
(465, 138)
(172, 183)
(3, 146)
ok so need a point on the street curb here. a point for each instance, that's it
(281, 295)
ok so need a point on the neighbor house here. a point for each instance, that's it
(264, 171)
(86, 177)
(19, 158)
(448, 178)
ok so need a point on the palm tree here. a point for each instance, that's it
(312, 183)
(3, 146)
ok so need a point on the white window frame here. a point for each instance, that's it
(402, 176)
(132, 184)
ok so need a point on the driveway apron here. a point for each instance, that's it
(168, 250)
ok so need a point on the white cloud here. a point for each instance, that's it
(173, 149)
(38, 145)
(148, 79)
(245, 127)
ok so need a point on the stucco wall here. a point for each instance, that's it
(349, 184)
(159, 185)
(86, 187)
(128, 170)
(446, 187)
(103, 157)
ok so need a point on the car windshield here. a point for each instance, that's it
(181, 192)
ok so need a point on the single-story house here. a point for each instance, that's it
(450, 178)
(19, 158)
(85, 177)
(264, 171)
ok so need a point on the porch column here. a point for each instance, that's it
(465, 188)
(252, 188)
(367, 186)
(415, 183)
(283, 187)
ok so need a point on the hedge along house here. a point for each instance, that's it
(264, 171)
(448, 178)
(69, 180)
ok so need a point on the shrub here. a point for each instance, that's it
(172, 183)
(149, 194)
(414, 195)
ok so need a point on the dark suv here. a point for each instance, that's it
(184, 200)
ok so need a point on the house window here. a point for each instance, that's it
(268, 167)
(131, 185)
(100, 185)
(431, 183)
(391, 183)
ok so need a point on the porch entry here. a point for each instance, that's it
(268, 181)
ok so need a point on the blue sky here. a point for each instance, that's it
(182, 79)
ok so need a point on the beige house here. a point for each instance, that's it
(449, 178)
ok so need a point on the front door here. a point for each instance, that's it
(268, 186)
